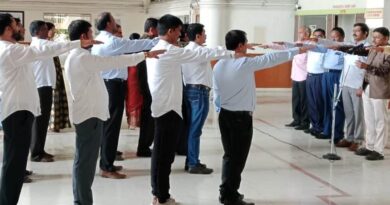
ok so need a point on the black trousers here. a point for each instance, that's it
(299, 103)
(146, 131)
(182, 142)
(166, 134)
(17, 138)
(116, 92)
(41, 123)
(236, 133)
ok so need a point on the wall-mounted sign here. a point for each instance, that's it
(373, 14)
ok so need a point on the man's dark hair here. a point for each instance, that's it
(36, 26)
(168, 22)
(183, 32)
(134, 36)
(78, 27)
(363, 27)
(383, 30)
(194, 29)
(5, 20)
(50, 25)
(102, 21)
(340, 31)
(233, 38)
(320, 30)
(150, 23)
(17, 20)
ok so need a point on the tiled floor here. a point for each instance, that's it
(284, 168)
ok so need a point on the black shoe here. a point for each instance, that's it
(27, 179)
(307, 131)
(302, 127)
(374, 156)
(186, 166)
(292, 124)
(363, 152)
(322, 136)
(144, 153)
(28, 173)
(314, 133)
(222, 199)
(119, 158)
(237, 202)
(200, 169)
(119, 153)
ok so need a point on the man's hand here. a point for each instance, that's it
(251, 46)
(154, 54)
(359, 92)
(87, 43)
(306, 48)
(361, 65)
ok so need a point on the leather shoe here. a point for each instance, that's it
(28, 173)
(119, 153)
(292, 124)
(302, 127)
(186, 166)
(42, 159)
(200, 169)
(27, 179)
(45, 154)
(363, 151)
(343, 143)
(374, 156)
(112, 175)
(237, 202)
(222, 199)
(354, 146)
(322, 136)
(118, 168)
(119, 158)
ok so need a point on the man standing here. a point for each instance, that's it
(165, 83)
(20, 102)
(298, 76)
(197, 80)
(146, 130)
(235, 97)
(115, 81)
(45, 79)
(352, 81)
(90, 105)
(375, 97)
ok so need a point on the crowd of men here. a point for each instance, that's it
(361, 72)
(174, 74)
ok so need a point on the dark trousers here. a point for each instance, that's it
(315, 101)
(88, 139)
(165, 138)
(182, 142)
(41, 123)
(299, 103)
(17, 138)
(146, 131)
(329, 79)
(116, 92)
(236, 133)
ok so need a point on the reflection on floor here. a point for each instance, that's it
(284, 168)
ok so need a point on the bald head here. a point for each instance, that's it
(304, 33)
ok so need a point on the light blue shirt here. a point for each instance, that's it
(113, 46)
(234, 80)
(334, 60)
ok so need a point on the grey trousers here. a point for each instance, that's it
(88, 139)
(354, 117)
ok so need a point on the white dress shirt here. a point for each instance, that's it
(315, 62)
(87, 88)
(44, 70)
(17, 84)
(198, 72)
(352, 76)
(234, 80)
(113, 46)
(165, 78)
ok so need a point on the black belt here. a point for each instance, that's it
(333, 70)
(198, 86)
(250, 113)
(117, 80)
